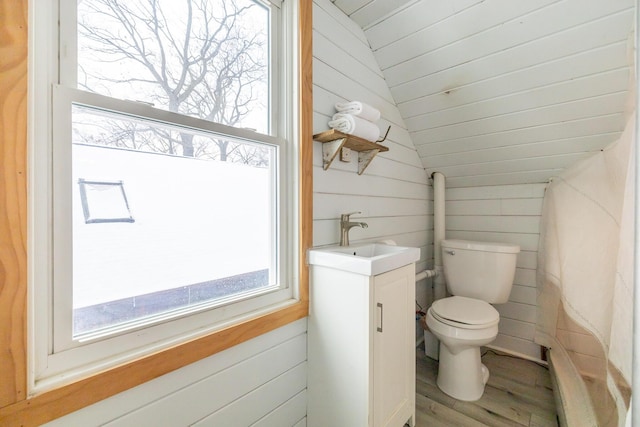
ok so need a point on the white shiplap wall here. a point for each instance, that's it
(509, 214)
(261, 382)
(367, 12)
(393, 193)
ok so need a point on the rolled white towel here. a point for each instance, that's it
(356, 126)
(360, 109)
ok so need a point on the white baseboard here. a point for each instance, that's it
(516, 354)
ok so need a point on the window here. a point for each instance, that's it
(185, 104)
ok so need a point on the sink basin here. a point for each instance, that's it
(367, 259)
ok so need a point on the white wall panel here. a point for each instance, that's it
(505, 193)
(517, 311)
(516, 328)
(573, 110)
(346, 86)
(528, 260)
(258, 404)
(517, 345)
(514, 152)
(523, 294)
(327, 206)
(536, 28)
(348, 182)
(302, 423)
(350, 6)
(342, 18)
(552, 132)
(232, 380)
(581, 64)
(393, 193)
(290, 410)
(329, 64)
(517, 206)
(578, 88)
(477, 22)
(498, 224)
(525, 277)
(534, 164)
(344, 33)
(221, 393)
(416, 17)
(328, 51)
(376, 10)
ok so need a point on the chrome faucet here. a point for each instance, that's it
(346, 225)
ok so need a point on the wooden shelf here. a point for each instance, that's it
(333, 141)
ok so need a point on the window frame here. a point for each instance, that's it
(17, 403)
(64, 357)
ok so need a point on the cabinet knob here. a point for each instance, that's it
(379, 328)
(450, 252)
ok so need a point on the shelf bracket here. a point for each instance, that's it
(330, 150)
(333, 141)
(364, 158)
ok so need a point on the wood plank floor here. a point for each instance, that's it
(518, 394)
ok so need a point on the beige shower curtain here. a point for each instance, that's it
(585, 273)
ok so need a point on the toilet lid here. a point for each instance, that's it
(464, 310)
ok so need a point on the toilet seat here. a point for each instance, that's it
(465, 313)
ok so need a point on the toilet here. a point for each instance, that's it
(477, 274)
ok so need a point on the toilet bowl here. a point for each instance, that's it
(476, 274)
(460, 372)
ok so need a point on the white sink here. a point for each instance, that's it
(368, 259)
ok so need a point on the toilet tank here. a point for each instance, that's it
(481, 270)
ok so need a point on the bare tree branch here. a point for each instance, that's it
(196, 57)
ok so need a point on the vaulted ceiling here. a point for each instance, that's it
(502, 91)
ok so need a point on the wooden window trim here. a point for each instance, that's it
(15, 407)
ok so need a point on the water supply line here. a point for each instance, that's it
(425, 274)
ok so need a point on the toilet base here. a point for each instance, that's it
(462, 375)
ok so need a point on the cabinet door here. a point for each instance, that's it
(394, 347)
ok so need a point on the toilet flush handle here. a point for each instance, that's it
(450, 252)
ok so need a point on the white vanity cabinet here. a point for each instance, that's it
(361, 348)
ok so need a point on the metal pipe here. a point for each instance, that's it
(439, 284)
(438, 215)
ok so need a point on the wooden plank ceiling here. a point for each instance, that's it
(502, 91)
